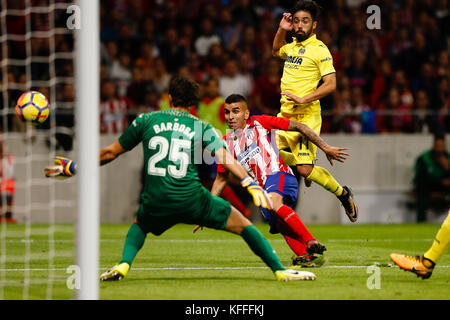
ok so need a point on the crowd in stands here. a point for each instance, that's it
(392, 79)
(395, 79)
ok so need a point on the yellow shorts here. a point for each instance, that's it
(303, 151)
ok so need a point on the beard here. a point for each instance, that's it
(303, 36)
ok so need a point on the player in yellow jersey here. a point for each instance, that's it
(423, 265)
(307, 61)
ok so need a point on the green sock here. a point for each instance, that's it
(261, 247)
(133, 243)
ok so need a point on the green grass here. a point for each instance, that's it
(215, 265)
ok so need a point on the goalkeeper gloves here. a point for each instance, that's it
(63, 168)
(260, 197)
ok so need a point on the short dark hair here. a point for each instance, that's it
(233, 98)
(308, 6)
(184, 92)
(439, 136)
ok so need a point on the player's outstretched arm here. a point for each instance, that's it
(111, 153)
(260, 197)
(219, 183)
(65, 168)
(332, 153)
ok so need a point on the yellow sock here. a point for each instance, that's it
(322, 177)
(441, 242)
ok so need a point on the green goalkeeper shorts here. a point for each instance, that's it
(204, 209)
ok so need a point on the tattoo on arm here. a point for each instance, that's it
(307, 132)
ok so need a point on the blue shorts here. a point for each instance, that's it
(284, 184)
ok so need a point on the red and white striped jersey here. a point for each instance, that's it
(254, 147)
(113, 116)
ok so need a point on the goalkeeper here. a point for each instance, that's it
(173, 140)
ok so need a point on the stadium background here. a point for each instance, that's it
(393, 90)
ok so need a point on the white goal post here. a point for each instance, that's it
(87, 44)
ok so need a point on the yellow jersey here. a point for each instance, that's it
(305, 64)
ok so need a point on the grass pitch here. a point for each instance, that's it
(215, 265)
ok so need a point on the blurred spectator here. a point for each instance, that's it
(361, 119)
(194, 66)
(267, 93)
(233, 82)
(139, 87)
(228, 30)
(109, 54)
(148, 53)
(214, 62)
(211, 107)
(425, 119)
(161, 76)
(444, 101)
(336, 121)
(427, 81)
(358, 38)
(172, 51)
(65, 118)
(381, 82)
(244, 11)
(443, 64)
(206, 38)
(151, 101)
(401, 83)
(411, 59)
(120, 73)
(400, 44)
(432, 179)
(113, 110)
(359, 71)
(393, 115)
(148, 33)
(7, 183)
(249, 47)
(187, 38)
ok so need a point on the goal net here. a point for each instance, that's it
(37, 214)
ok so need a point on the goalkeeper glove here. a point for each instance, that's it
(63, 168)
(260, 197)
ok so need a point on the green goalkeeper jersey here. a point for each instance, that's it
(174, 143)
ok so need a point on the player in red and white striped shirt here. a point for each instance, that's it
(251, 141)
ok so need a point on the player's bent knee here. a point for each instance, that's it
(304, 169)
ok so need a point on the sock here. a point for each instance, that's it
(298, 247)
(261, 247)
(229, 195)
(291, 218)
(322, 177)
(133, 243)
(440, 243)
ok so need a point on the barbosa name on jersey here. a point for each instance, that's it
(174, 126)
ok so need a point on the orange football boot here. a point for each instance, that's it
(413, 264)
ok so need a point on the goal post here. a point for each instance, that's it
(87, 61)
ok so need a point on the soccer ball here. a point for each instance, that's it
(32, 107)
